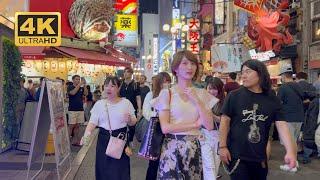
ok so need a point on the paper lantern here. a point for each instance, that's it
(28, 64)
(46, 65)
(69, 65)
(38, 65)
(54, 66)
(62, 66)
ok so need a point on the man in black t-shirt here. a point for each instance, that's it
(246, 118)
(76, 91)
(131, 90)
(144, 89)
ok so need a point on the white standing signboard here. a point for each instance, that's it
(50, 111)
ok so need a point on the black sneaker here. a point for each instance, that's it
(306, 161)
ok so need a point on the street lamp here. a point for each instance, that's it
(166, 27)
(177, 31)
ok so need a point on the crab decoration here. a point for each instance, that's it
(90, 19)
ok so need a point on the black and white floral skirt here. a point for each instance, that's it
(180, 159)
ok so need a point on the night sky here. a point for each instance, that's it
(148, 6)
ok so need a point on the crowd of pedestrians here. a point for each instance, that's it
(207, 122)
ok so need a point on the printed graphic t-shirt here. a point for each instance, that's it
(251, 116)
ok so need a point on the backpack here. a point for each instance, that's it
(311, 123)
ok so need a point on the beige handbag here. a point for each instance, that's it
(116, 144)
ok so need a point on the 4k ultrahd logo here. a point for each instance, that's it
(38, 29)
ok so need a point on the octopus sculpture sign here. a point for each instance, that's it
(267, 27)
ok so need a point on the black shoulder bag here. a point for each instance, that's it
(153, 138)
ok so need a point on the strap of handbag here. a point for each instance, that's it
(110, 130)
(296, 91)
(169, 103)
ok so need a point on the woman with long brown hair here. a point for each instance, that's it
(159, 82)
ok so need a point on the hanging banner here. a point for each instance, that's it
(193, 47)
(126, 30)
(227, 58)
(175, 17)
(194, 24)
(219, 12)
(261, 56)
(193, 35)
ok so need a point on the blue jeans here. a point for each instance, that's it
(307, 153)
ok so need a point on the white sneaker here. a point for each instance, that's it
(286, 167)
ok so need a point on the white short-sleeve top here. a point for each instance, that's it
(118, 113)
(184, 111)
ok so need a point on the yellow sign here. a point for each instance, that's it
(126, 22)
(38, 29)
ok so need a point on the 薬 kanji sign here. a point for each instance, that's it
(126, 22)
(126, 26)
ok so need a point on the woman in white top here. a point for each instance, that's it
(120, 112)
(160, 81)
(183, 109)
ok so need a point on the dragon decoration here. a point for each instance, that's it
(268, 24)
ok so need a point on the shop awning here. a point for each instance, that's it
(32, 52)
(314, 64)
(91, 57)
(120, 54)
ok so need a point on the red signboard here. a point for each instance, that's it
(62, 6)
(126, 6)
(251, 6)
(193, 36)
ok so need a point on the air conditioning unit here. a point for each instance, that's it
(315, 10)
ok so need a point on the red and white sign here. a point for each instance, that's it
(126, 6)
(193, 36)
(194, 47)
(194, 24)
(251, 6)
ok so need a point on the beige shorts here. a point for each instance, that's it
(76, 117)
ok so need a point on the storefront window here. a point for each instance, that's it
(316, 30)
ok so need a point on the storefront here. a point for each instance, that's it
(314, 61)
(64, 62)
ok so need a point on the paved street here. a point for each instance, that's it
(13, 166)
(139, 166)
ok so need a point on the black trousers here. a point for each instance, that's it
(248, 170)
(132, 130)
(152, 170)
